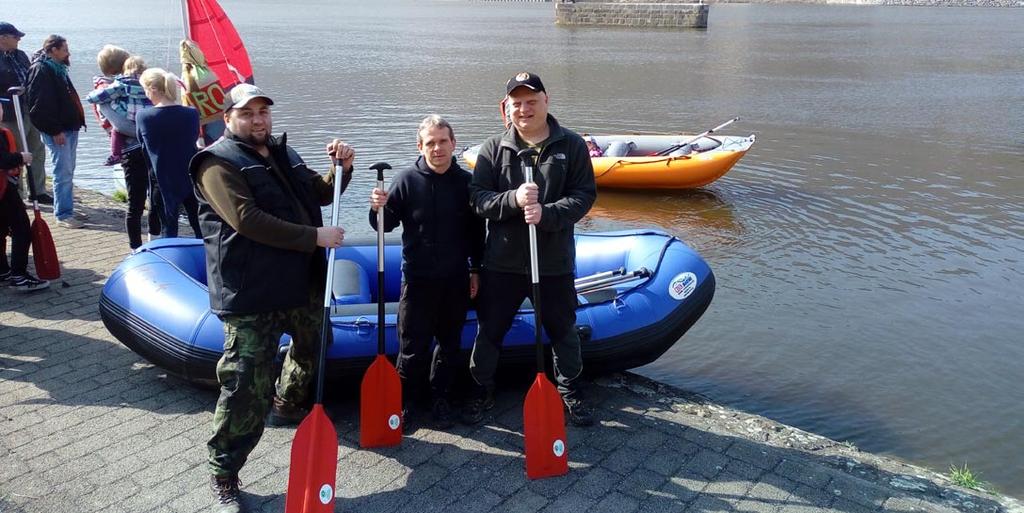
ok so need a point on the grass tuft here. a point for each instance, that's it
(965, 477)
(120, 196)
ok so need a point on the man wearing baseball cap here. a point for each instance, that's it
(14, 66)
(563, 193)
(259, 210)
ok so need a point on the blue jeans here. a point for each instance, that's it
(63, 160)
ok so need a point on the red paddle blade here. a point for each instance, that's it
(380, 405)
(544, 431)
(314, 466)
(44, 253)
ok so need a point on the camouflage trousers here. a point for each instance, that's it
(246, 375)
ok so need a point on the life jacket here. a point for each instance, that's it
(11, 147)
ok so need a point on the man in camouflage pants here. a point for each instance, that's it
(259, 211)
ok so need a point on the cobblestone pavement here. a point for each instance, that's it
(88, 426)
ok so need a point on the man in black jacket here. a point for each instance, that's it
(14, 65)
(563, 193)
(56, 110)
(442, 244)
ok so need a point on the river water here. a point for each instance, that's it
(868, 249)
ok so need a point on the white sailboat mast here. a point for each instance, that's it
(184, 19)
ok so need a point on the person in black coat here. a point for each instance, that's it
(442, 244)
(14, 219)
(14, 65)
(562, 193)
(55, 109)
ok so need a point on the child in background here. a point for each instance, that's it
(14, 219)
(119, 102)
(593, 148)
(110, 61)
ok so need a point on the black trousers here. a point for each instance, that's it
(498, 301)
(137, 180)
(14, 220)
(431, 309)
(170, 216)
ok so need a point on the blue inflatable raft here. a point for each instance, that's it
(639, 291)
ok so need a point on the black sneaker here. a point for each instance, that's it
(44, 199)
(226, 493)
(285, 414)
(444, 417)
(580, 414)
(27, 283)
(5, 278)
(473, 411)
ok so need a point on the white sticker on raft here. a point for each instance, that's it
(682, 286)
(393, 422)
(558, 448)
(326, 494)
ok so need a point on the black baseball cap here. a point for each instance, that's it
(524, 79)
(6, 29)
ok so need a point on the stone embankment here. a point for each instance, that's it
(911, 3)
(632, 13)
(89, 426)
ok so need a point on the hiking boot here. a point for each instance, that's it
(444, 417)
(473, 411)
(285, 414)
(580, 414)
(226, 493)
(27, 283)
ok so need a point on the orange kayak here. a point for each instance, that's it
(630, 161)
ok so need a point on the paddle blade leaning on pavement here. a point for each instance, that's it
(543, 417)
(44, 252)
(544, 431)
(380, 395)
(380, 405)
(314, 463)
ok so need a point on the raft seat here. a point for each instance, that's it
(350, 285)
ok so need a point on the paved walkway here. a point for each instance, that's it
(88, 426)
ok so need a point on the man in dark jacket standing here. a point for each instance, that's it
(259, 209)
(55, 109)
(442, 244)
(563, 193)
(14, 66)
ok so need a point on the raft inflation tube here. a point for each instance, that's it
(639, 292)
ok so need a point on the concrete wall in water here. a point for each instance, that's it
(632, 13)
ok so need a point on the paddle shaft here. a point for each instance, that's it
(15, 93)
(697, 137)
(380, 267)
(526, 157)
(325, 324)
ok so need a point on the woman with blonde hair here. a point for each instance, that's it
(168, 132)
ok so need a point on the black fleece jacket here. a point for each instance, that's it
(565, 178)
(441, 236)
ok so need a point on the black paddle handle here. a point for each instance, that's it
(379, 167)
(526, 158)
